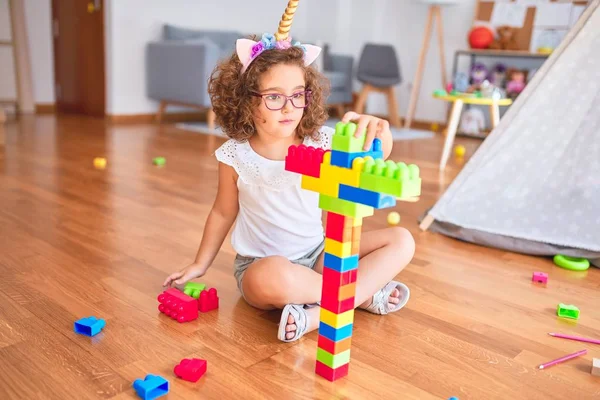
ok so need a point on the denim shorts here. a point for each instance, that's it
(241, 263)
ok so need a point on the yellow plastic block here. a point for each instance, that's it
(338, 249)
(320, 185)
(357, 221)
(350, 177)
(337, 320)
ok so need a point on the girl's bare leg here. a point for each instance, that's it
(273, 282)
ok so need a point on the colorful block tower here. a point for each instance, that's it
(351, 184)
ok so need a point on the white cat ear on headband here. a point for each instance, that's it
(244, 51)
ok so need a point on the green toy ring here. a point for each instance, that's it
(572, 263)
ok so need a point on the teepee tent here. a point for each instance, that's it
(533, 186)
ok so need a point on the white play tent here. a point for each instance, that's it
(533, 186)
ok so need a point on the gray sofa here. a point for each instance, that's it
(179, 65)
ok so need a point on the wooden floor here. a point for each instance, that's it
(76, 241)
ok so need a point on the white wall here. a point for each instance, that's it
(345, 24)
(38, 16)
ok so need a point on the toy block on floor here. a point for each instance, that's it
(333, 277)
(396, 179)
(337, 320)
(190, 369)
(208, 300)
(567, 311)
(329, 373)
(339, 264)
(89, 326)
(366, 197)
(540, 277)
(344, 139)
(334, 347)
(152, 387)
(193, 289)
(596, 366)
(334, 305)
(339, 292)
(344, 159)
(305, 160)
(178, 305)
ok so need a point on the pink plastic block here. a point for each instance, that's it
(190, 369)
(304, 160)
(540, 277)
(208, 300)
(178, 305)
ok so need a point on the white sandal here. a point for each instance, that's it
(300, 320)
(380, 305)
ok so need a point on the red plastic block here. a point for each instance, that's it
(338, 227)
(178, 305)
(331, 303)
(208, 300)
(329, 373)
(331, 277)
(334, 347)
(305, 160)
(190, 369)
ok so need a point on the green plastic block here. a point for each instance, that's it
(344, 140)
(343, 207)
(194, 289)
(388, 177)
(567, 311)
(159, 161)
(333, 361)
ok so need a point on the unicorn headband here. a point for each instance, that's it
(247, 50)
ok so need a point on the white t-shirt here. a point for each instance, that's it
(276, 216)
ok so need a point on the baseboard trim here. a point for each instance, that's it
(151, 118)
(45, 108)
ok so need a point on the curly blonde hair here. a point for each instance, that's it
(231, 93)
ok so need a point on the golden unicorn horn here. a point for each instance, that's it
(286, 20)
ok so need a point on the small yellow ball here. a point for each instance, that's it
(460, 150)
(435, 127)
(393, 218)
(100, 162)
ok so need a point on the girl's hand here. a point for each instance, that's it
(190, 272)
(376, 127)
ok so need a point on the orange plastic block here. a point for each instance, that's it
(334, 347)
(341, 292)
(305, 160)
(356, 233)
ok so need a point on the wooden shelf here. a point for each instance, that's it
(502, 53)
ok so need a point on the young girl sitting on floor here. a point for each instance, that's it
(267, 97)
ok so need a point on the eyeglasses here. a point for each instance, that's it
(276, 101)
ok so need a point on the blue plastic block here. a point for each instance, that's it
(333, 334)
(89, 326)
(366, 197)
(453, 398)
(344, 159)
(152, 387)
(340, 264)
